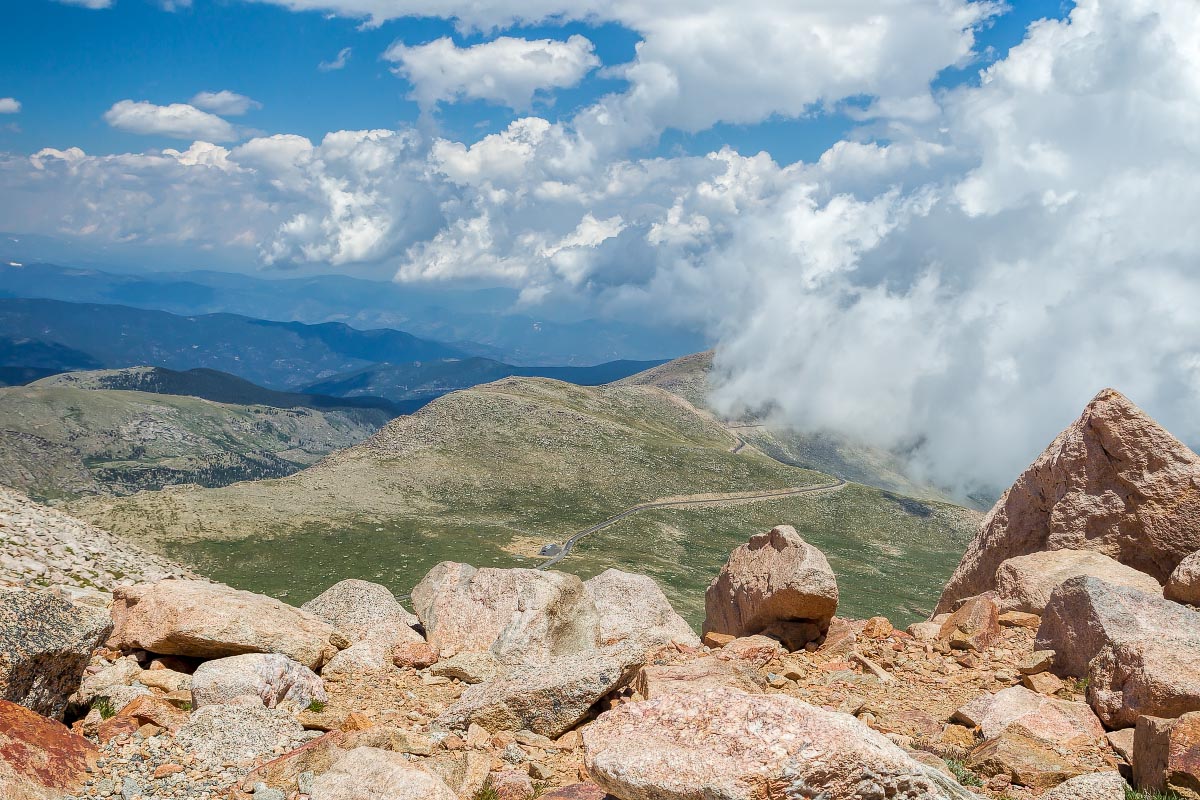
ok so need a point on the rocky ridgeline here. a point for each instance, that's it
(43, 547)
(1057, 666)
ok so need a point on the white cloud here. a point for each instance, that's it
(956, 289)
(505, 70)
(9, 105)
(177, 121)
(338, 61)
(230, 104)
(94, 4)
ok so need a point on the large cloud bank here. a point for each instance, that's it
(954, 282)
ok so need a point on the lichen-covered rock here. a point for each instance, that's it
(271, 677)
(1114, 482)
(229, 734)
(1096, 786)
(1049, 718)
(1025, 583)
(39, 758)
(776, 577)
(1166, 755)
(634, 609)
(1184, 584)
(209, 620)
(368, 773)
(522, 616)
(548, 698)
(729, 745)
(1139, 652)
(362, 610)
(45, 643)
(974, 626)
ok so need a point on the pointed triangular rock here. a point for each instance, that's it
(1115, 482)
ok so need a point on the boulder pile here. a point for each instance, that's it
(1056, 666)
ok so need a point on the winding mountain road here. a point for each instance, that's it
(692, 500)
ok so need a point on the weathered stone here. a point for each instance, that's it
(699, 675)
(576, 791)
(149, 709)
(547, 698)
(521, 615)
(39, 758)
(468, 667)
(1140, 652)
(1166, 755)
(367, 773)
(316, 757)
(972, 713)
(1037, 661)
(1051, 719)
(974, 626)
(1122, 743)
(716, 640)
(236, 734)
(924, 631)
(1114, 482)
(271, 677)
(122, 672)
(45, 643)
(1020, 619)
(1042, 682)
(1096, 786)
(361, 610)
(414, 655)
(511, 784)
(1023, 758)
(775, 577)
(757, 650)
(208, 620)
(730, 745)
(634, 610)
(1025, 583)
(878, 628)
(166, 679)
(367, 657)
(1183, 586)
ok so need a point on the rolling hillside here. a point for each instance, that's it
(58, 442)
(492, 474)
(417, 383)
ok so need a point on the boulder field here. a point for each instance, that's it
(1056, 666)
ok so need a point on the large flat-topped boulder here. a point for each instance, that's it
(362, 610)
(209, 620)
(633, 609)
(1114, 482)
(45, 643)
(730, 745)
(1139, 652)
(1025, 583)
(775, 579)
(548, 698)
(39, 758)
(521, 615)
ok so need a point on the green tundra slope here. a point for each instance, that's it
(60, 442)
(492, 474)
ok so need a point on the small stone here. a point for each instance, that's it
(1038, 661)
(539, 771)
(878, 628)
(717, 640)
(1042, 683)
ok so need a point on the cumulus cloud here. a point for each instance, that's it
(338, 61)
(9, 105)
(505, 70)
(177, 121)
(954, 281)
(230, 104)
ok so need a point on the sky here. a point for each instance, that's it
(938, 226)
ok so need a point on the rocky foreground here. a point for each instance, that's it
(1063, 662)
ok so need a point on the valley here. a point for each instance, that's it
(492, 474)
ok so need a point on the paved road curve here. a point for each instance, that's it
(697, 501)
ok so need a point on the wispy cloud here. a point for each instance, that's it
(231, 104)
(338, 62)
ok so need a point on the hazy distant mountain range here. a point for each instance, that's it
(483, 318)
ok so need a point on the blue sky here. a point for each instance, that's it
(68, 64)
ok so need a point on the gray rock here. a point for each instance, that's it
(1139, 652)
(468, 667)
(271, 677)
(221, 734)
(360, 609)
(547, 699)
(45, 644)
